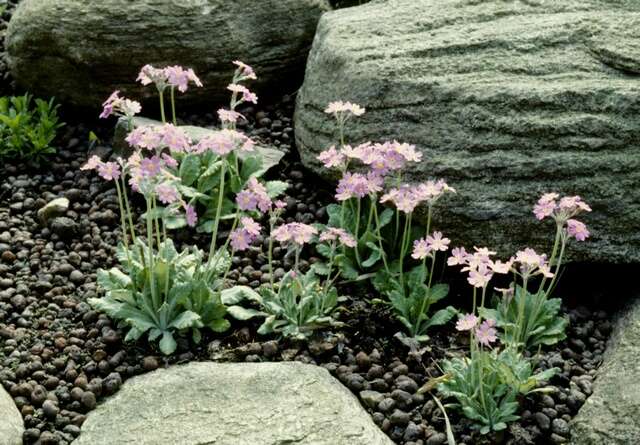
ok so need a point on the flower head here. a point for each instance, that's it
(437, 242)
(421, 249)
(247, 96)
(334, 233)
(340, 107)
(190, 213)
(405, 198)
(149, 74)
(250, 225)
(254, 197)
(458, 256)
(167, 193)
(244, 70)
(92, 163)
(332, 158)
(564, 209)
(466, 322)
(297, 233)
(109, 170)
(486, 333)
(178, 77)
(120, 106)
(229, 116)
(223, 142)
(577, 230)
(352, 185)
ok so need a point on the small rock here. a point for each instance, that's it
(57, 207)
(399, 417)
(371, 398)
(560, 426)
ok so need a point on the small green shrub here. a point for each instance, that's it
(26, 132)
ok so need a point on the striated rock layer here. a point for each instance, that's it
(80, 51)
(506, 99)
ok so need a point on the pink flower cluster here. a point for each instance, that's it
(297, 233)
(381, 158)
(109, 171)
(562, 210)
(424, 247)
(254, 197)
(119, 106)
(479, 265)
(156, 137)
(245, 94)
(229, 116)
(357, 185)
(340, 107)
(334, 233)
(485, 332)
(223, 142)
(407, 197)
(174, 76)
(244, 71)
(242, 237)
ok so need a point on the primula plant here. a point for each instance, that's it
(221, 164)
(487, 382)
(384, 235)
(159, 291)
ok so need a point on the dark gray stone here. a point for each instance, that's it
(506, 100)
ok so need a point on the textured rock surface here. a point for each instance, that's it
(81, 50)
(610, 415)
(507, 99)
(11, 426)
(232, 404)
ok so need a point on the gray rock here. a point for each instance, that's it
(11, 426)
(371, 398)
(56, 207)
(232, 404)
(610, 415)
(64, 227)
(80, 44)
(506, 100)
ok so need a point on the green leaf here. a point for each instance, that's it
(189, 169)
(241, 313)
(251, 166)
(276, 188)
(442, 316)
(237, 294)
(438, 292)
(185, 320)
(167, 344)
(219, 325)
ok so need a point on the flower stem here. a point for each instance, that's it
(382, 252)
(407, 226)
(216, 221)
(270, 252)
(173, 106)
(556, 243)
(162, 115)
(357, 229)
(154, 294)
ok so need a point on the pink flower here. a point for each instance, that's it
(120, 106)
(92, 163)
(332, 158)
(250, 225)
(437, 242)
(375, 182)
(178, 77)
(280, 204)
(577, 230)
(169, 161)
(109, 170)
(568, 207)
(500, 267)
(192, 217)
(352, 185)
(247, 96)
(240, 239)
(486, 333)
(246, 200)
(150, 167)
(166, 193)
(148, 74)
(404, 198)
(458, 256)
(224, 141)
(244, 70)
(479, 278)
(361, 152)
(297, 233)
(174, 138)
(431, 191)
(254, 197)
(149, 137)
(340, 107)
(229, 116)
(466, 322)
(421, 249)
(334, 233)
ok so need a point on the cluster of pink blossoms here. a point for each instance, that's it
(156, 137)
(254, 197)
(424, 247)
(297, 233)
(407, 197)
(173, 76)
(381, 158)
(357, 185)
(243, 92)
(119, 106)
(485, 332)
(110, 171)
(334, 233)
(223, 142)
(241, 238)
(244, 71)
(479, 265)
(340, 107)
(562, 210)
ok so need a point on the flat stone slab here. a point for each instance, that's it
(11, 425)
(232, 404)
(611, 415)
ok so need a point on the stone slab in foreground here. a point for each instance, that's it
(232, 404)
(11, 426)
(611, 415)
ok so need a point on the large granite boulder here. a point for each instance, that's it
(507, 100)
(610, 415)
(81, 50)
(232, 404)
(11, 426)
